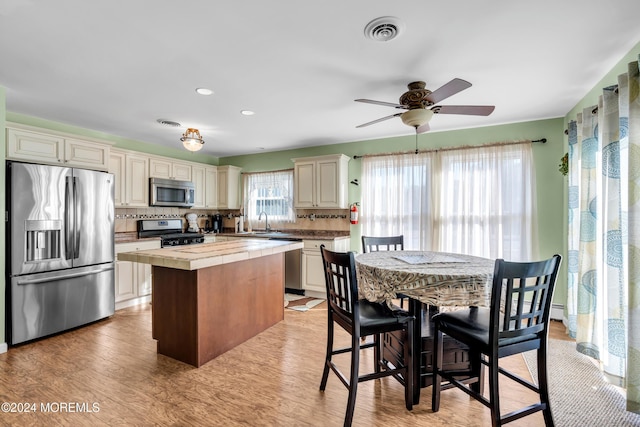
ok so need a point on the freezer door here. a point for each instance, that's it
(46, 303)
(37, 222)
(93, 211)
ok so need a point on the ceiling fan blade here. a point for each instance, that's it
(422, 129)
(386, 104)
(471, 110)
(379, 120)
(449, 89)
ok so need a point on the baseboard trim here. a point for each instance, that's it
(557, 311)
(4, 347)
(131, 302)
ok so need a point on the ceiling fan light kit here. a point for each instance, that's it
(191, 140)
(417, 117)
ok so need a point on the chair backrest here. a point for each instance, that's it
(392, 243)
(342, 285)
(513, 284)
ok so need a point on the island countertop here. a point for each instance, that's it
(194, 257)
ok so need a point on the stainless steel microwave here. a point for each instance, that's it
(171, 192)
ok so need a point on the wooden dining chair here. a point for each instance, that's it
(361, 318)
(390, 243)
(507, 327)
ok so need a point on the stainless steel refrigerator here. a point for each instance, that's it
(61, 250)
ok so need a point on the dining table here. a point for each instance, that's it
(432, 281)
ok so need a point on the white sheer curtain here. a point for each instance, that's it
(269, 192)
(394, 200)
(486, 202)
(476, 201)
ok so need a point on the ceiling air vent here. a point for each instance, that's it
(383, 29)
(169, 123)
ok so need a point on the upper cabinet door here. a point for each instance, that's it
(33, 146)
(162, 168)
(86, 154)
(321, 182)
(304, 182)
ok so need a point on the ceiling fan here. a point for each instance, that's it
(419, 103)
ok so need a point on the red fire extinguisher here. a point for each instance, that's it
(354, 213)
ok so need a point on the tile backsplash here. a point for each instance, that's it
(306, 219)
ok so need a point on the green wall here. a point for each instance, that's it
(549, 181)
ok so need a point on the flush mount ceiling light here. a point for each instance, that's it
(383, 29)
(192, 140)
(204, 91)
(247, 112)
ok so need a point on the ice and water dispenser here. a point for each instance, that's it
(43, 240)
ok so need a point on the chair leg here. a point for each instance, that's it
(327, 360)
(409, 354)
(353, 381)
(494, 391)
(377, 353)
(437, 367)
(543, 384)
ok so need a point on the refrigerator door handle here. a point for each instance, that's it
(51, 278)
(76, 219)
(68, 221)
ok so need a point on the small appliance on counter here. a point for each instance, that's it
(216, 223)
(192, 220)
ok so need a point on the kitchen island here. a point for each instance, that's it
(208, 298)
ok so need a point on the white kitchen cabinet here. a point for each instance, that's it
(312, 271)
(133, 279)
(165, 168)
(205, 179)
(229, 187)
(131, 173)
(321, 182)
(211, 187)
(42, 147)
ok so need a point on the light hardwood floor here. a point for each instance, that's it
(271, 380)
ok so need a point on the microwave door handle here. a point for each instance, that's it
(68, 221)
(186, 196)
(76, 219)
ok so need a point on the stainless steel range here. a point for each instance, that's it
(169, 231)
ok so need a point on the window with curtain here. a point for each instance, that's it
(603, 301)
(475, 201)
(269, 192)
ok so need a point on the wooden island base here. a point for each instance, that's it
(199, 314)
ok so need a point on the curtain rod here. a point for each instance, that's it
(256, 173)
(464, 147)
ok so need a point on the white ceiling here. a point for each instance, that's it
(116, 66)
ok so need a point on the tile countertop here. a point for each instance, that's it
(296, 234)
(194, 257)
(126, 237)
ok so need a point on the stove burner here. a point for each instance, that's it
(169, 231)
(177, 239)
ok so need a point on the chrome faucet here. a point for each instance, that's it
(267, 227)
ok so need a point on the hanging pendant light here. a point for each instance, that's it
(192, 140)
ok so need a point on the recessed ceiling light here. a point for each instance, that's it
(204, 91)
(247, 112)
